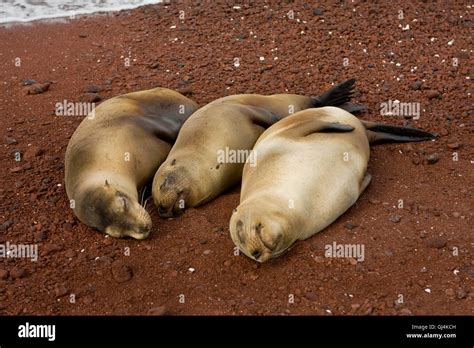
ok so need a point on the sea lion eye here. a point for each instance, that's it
(240, 226)
(122, 200)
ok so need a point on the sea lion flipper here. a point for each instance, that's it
(365, 182)
(338, 95)
(354, 109)
(163, 128)
(262, 117)
(379, 133)
(335, 127)
(312, 126)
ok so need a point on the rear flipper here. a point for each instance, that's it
(336, 96)
(340, 96)
(379, 133)
(354, 108)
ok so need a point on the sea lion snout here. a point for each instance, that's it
(170, 192)
(171, 203)
(138, 232)
(258, 240)
(115, 213)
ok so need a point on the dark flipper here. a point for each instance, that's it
(311, 126)
(336, 96)
(354, 108)
(379, 133)
(163, 128)
(340, 96)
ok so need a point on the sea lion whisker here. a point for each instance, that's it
(142, 195)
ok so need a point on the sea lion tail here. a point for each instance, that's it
(379, 133)
(336, 96)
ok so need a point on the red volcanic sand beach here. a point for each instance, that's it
(414, 220)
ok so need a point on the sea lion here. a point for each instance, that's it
(115, 151)
(311, 169)
(197, 169)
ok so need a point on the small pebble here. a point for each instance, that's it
(253, 276)
(51, 248)
(158, 311)
(121, 272)
(89, 98)
(432, 159)
(10, 140)
(449, 292)
(317, 11)
(17, 273)
(431, 94)
(416, 85)
(92, 89)
(461, 294)
(453, 146)
(436, 242)
(350, 226)
(6, 225)
(60, 290)
(395, 218)
(3, 274)
(352, 261)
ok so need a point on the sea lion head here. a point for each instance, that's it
(260, 236)
(172, 189)
(115, 213)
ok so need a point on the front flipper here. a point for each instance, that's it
(164, 128)
(365, 182)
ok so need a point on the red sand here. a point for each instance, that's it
(412, 257)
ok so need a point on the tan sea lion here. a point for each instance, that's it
(213, 144)
(115, 151)
(311, 169)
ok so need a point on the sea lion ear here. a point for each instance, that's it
(106, 183)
